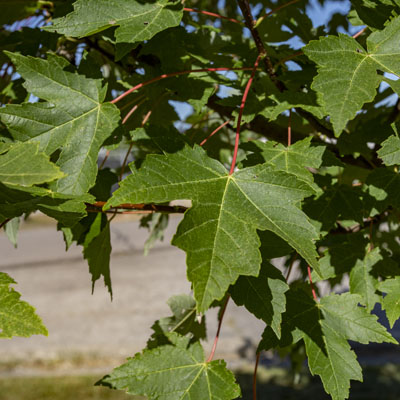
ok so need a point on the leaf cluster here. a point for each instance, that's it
(283, 136)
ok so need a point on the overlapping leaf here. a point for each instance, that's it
(391, 303)
(219, 233)
(293, 159)
(15, 170)
(390, 151)
(347, 73)
(326, 327)
(75, 119)
(97, 250)
(17, 318)
(176, 371)
(67, 209)
(136, 20)
(263, 296)
(183, 321)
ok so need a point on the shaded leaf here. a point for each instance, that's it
(391, 302)
(264, 296)
(97, 250)
(183, 321)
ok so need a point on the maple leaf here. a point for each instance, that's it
(97, 250)
(17, 200)
(326, 327)
(183, 321)
(293, 159)
(219, 232)
(390, 151)
(14, 169)
(136, 20)
(174, 371)
(264, 296)
(390, 302)
(347, 73)
(17, 318)
(75, 119)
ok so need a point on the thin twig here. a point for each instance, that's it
(289, 129)
(273, 11)
(291, 266)
(164, 76)
(255, 376)
(355, 36)
(211, 14)
(98, 205)
(249, 20)
(244, 98)
(214, 132)
(211, 356)
(311, 283)
(104, 160)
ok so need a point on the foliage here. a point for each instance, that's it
(284, 153)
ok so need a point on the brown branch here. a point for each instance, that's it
(262, 51)
(98, 207)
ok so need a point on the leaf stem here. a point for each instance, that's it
(291, 266)
(244, 98)
(211, 14)
(273, 11)
(104, 159)
(311, 283)
(289, 129)
(355, 36)
(214, 132)
(255, 376)
(223, 309)
(170, 75)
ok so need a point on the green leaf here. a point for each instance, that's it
(136, 20)
(263, 296)
(363, 282)
(75, 119)
(17, 318)
(219, 232)
(156, 223)
(25, 165)
(293, 159)
(347, 74)
(97, 250)
(183, 321)
(67, 209)
(383, 185)
(175, 371)
(11, 229)
(13, 10)
(390, 302)
(390, 151)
